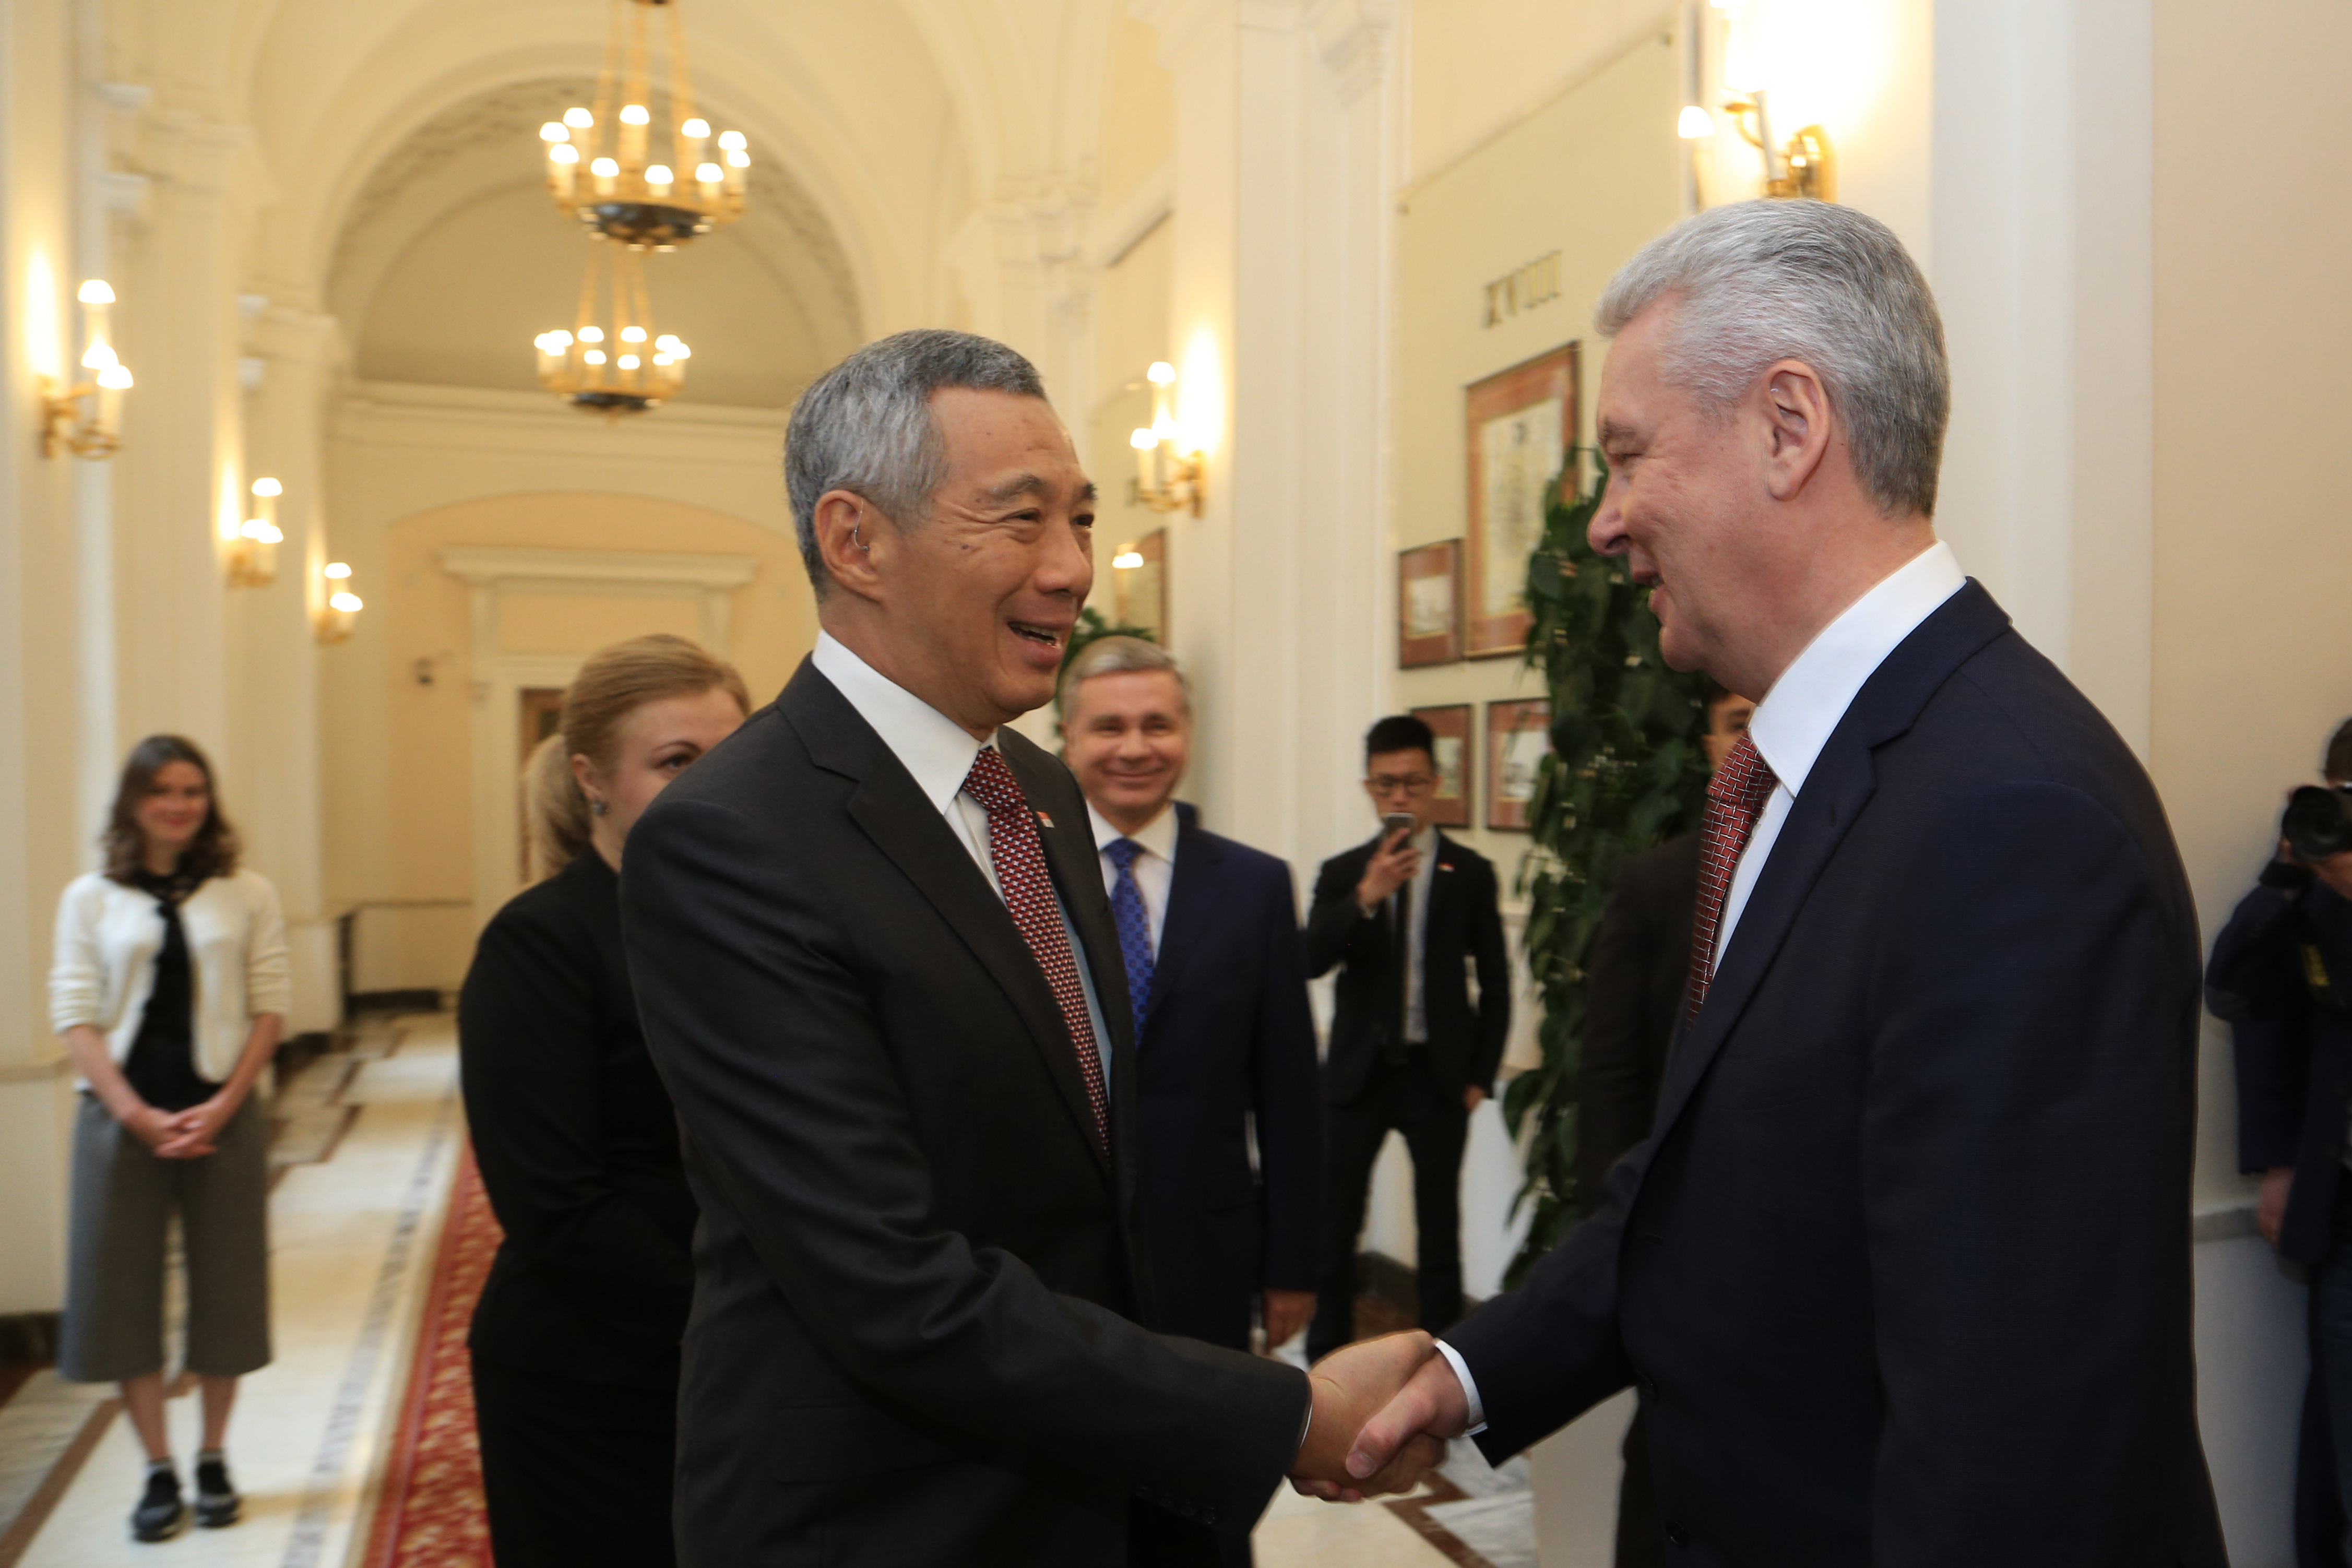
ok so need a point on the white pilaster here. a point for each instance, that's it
(1286, 121)
(2044, 264)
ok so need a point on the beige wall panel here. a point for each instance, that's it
(1593, 175)
(2254, 330)
(1477, 67)
(1138, 128)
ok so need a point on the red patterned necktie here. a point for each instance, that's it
(1020, 861)
(1734, 799)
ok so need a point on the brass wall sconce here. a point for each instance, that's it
(343, 607)
(253, 564)
(64, 426)
(1804, 165)
(1166, 479)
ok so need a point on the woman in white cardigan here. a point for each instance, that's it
(170, 989)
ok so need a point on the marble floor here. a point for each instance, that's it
(367, 1145)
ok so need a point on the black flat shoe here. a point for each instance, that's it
(160, 1513)
(217, 1501)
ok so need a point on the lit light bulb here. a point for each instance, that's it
(662, 359)
(697, 126)
(605, 168)
(578, 119)
(264, 532)
(732, 140)
(591, 334)
(595, 356)
(98, 355)
(348, 603)
(679, 351)
(709, 172)
(114, 378)
(1127, 560)
(563, 153)
(667, 342)
(555, 131)
(95, 292)
(635, 114)
(628, 362)
(1161, 373)
(268, 488)
(1142, 440)
(658, 174)
(633, 334)
(336, 569)
(1696, 124)
(737, 158)
(1164, 428)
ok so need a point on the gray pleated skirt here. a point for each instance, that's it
(122, 1202)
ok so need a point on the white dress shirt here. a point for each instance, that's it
(1155, 869)
(939, 753)
(1792, 724)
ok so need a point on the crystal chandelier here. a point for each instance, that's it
(611, 168)
(612, 362)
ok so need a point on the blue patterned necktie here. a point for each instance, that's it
(1134, 926)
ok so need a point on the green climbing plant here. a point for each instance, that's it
(1626, 772)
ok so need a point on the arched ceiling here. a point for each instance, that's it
(452, 258)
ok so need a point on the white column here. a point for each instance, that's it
(273, 699)
(1019, 268)
(2042, 261)
(1286, 116)
(179, 485)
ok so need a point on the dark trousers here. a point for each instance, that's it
(1640, 1542)
(2331, 1353)
(575, 1472)
(1406, 1097)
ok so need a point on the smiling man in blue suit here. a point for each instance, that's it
(1902, 1272)
(1209, 928)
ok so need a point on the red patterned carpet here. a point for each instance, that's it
(430, 1515)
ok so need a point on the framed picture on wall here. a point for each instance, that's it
(1449, 729)
(1429, 604)
(1138, 585)
(1518, 738)
(1521, 424)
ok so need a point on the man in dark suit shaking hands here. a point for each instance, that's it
(880, 977)
(1405, 916)
(1902, 1272)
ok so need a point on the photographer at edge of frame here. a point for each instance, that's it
(2281, 975)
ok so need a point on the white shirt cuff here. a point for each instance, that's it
(1469, 1388)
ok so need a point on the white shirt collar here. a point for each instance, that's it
(1795, 720)
(1157, 837)
(933, 747)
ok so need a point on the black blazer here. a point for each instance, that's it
(577, 1144)
(1464, 928)
(2294, 1048)
(1903, 1275)
(917, 1266)
(1633, 990)
(1228, 1037)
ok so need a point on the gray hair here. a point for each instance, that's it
(865, 425)
(1760, 281)
(1119, 655)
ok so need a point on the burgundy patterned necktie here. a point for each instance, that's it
(1020, 861)
(1734, 799)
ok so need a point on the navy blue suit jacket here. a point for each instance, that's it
(1903, 1270)
(1228, 1035)
(2294, 1048)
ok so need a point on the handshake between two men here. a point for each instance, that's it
(1383, 1411)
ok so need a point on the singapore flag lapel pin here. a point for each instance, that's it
(1045, 819)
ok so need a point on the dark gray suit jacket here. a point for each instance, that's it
(1903, 1273)
(916, 1274)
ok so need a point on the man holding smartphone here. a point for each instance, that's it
(1406, 916)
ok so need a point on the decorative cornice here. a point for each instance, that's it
(517, 567)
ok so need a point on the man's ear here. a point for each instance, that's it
(848, 530)
(1797, 420)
